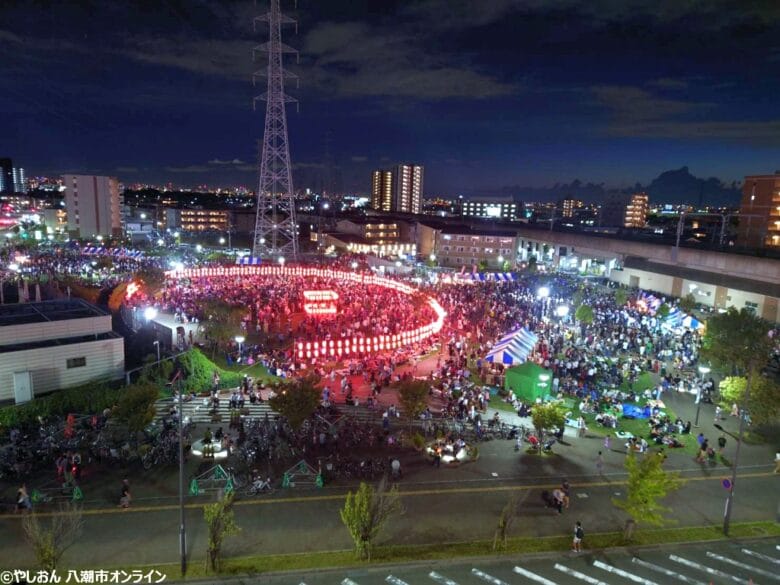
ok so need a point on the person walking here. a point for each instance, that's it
(600, 463)
(124, 497)
(579, 534)
(607, 440)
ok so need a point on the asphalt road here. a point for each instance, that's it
(435, 513)
(737, 563)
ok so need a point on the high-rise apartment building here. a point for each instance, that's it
(625, 210)
(20, 181)
(759, 212)
(569, 206)
(636, 211)
(382, 190)
(398, 189)
(93, 204)
(489, 209)
(12, 179)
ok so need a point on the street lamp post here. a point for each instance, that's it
(182, 529)
(239, 340)
(703, 370)
(157, 345)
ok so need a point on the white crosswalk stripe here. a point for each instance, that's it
(441, 579)
(745, 566)
(485, 577)
(758, 555)
(395, 580)
(578, 575)
(706, 569)
(622, 573)
(667, 572)
(533, 576)
(348, 581)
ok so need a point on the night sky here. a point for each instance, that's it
(484, 93)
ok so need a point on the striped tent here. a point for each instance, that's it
(249, 261)
(513, 348)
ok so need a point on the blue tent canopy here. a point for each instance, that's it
(515, 347)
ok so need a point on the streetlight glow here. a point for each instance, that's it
(222, 241)
(198, 248)
(150, 313)
(543, 292)
(704, 370)
(562, 310)
(433, 257)
(281, 260)
(240, 339)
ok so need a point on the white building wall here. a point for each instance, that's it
(61, 329)
(662, 283)
(93, 205)
(105, 359)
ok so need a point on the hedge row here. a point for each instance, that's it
(95, 397)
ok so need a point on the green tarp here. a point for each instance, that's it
(526, 381)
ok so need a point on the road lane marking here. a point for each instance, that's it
(745, 566)
(342, 496)
(578, 575)
(348, 581)
(395, 580)
(441, 578)
(622, 573)
(667, 572)
(485, 577)
(758, 555)
(706, 569)
(533, 576)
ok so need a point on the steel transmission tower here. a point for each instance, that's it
(276, 231)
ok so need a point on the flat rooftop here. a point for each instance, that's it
(47, 311)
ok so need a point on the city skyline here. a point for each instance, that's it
(515, 94)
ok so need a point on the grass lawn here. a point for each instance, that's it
(639, 428)
(643, 382)
(256, 370)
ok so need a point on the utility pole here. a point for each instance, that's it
(276, 230)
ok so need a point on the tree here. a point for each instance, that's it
(482, 265)
(297, 401)
(506, 519)
(49, 542)
(663, 311)
(763, 403)
(577, 298)
(532, 262)
(136, 406)
(551, 415)
(584, 314)
(648, 483)
(366, 511)
(737, 341)
(151, 278)
(220, 523)
(413, 396)
(621, 297)
(687, 303)
(222, 323)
